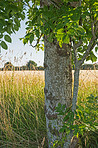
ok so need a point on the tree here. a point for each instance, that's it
(70, 32)
(31, 65)
(8, 66)
(40, 68)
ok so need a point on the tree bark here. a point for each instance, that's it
(76, 85)
(58, 84)
(58, 87)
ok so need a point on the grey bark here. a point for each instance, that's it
(76, 85)
(58, 87)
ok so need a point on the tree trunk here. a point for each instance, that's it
(76, 85)
(58, 87)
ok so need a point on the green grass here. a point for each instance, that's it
(22, 119)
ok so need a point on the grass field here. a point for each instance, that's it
(22, 119)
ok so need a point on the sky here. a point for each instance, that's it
(18, 53)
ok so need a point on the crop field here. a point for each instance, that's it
(85, 75)
(22, 118)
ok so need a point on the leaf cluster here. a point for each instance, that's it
(67, 24)
(11, 13)
(84, 119)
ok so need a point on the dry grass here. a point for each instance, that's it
(85, 75)
(22, 119)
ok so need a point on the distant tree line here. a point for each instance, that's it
(88, 67)
(31, 65)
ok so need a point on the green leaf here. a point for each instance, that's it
(96, 49)
(37, 33)
(50, 38)
(2, 22)
(77, 117)
(25, 41)
(8, 38)
(59, 26)
(42, 29)
(9, 29)
(63, 129)
(66, 118)
(81, 30)
(17, 22)
(1, 36)
(31, 38)
(71, 32)
(16, 27)
(66, 39)
(91, 57)
(4, 45)
(75, 17)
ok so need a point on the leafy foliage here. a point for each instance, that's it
(31, 65)
(84, 121)
(11, 13)
(7, 38)
(68, 23)
(64, 24)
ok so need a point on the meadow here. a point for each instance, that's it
(22, 118)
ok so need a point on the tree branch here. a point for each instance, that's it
(78, 44)
(75, 53)
(94, 23)
(91, 45)
(17, 1)
(75, 46)
(73, 4)
(92, 28)
(80, 2)
(76, 85)
(37, 41)
(96, 26)
(54, 3)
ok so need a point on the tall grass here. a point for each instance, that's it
(22, 119)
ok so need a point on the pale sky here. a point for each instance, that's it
(18, 53)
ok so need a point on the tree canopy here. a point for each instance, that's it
(11, 14)
(74, 23)
(31, 65)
